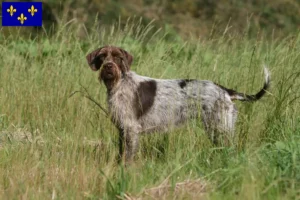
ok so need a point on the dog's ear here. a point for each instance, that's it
(93, 60)
(128, 57)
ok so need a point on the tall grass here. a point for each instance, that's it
(72, 152)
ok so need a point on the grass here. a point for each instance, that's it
(72, 147)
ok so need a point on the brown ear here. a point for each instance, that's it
(93, 59)
(128, 57)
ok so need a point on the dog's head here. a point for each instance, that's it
(113, 63)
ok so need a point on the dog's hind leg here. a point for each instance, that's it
(219, 122)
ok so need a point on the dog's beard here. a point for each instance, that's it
(110, 77)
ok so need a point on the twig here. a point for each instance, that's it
(89, 97)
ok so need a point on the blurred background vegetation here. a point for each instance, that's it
(179, 18)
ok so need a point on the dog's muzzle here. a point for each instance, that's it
(108, 71)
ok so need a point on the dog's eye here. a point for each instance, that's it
(116, 54)
(117, 57)
(102, 56)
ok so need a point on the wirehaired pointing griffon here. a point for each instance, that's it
(142, 104)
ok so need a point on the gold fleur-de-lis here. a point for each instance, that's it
(22, 18)
(32, 10)
(11, 10)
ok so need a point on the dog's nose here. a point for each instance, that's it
(108, 65)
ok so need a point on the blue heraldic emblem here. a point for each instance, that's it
(22, 13)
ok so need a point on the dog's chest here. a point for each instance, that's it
(120, 104)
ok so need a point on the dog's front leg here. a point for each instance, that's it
(131, 144)
(121, 144)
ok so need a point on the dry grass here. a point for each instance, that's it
(188, 189)
(20, 136)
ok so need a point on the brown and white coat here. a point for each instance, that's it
(140, 104)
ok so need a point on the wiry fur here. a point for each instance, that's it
(142, 104)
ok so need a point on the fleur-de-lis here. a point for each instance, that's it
(22, 18)
(11, 10)
(32, 10)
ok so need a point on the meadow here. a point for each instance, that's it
(57, 144)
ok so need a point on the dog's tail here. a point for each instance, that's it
(245, 97)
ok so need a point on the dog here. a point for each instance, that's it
(139, 104)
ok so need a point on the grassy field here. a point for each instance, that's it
(54, 145)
